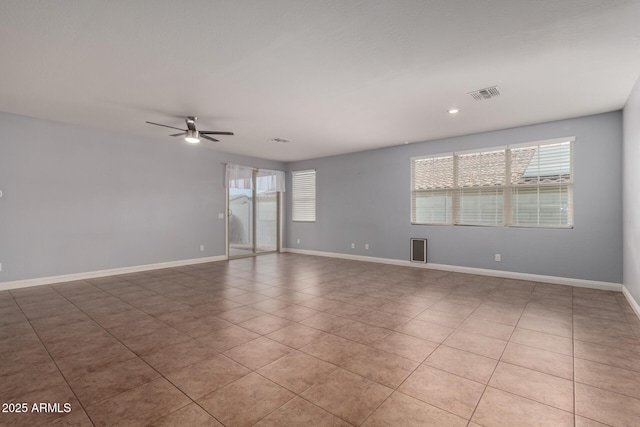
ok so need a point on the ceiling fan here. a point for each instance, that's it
(191, 134)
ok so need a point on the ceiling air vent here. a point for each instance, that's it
(279, 140)
(486, 93)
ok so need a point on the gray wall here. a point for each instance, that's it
(78, 200)
(631, 193)
(365, 198)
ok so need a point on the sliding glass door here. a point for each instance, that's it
(253, 217)
(240, 222)
(266, 220)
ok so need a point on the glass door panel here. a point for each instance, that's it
(267, 222)
(240, 222)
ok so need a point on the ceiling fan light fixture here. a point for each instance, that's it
(192, 136)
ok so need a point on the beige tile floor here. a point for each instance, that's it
(298, 340)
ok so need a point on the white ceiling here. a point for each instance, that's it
(333, 76)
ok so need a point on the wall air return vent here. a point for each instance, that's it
(486, 93)
(419, 250)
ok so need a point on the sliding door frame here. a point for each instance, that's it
(254, 219)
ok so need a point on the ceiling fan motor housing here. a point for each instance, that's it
(192, 136)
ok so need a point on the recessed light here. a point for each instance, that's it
(453, 111)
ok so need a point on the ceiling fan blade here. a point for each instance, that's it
(178, 134)
(214, 132)
(209, 138)
(159, 124)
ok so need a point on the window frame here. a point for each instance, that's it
(507, 188)
(298, 212)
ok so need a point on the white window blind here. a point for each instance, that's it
(542, 187)
(432, 189)
(527, 185)
(303, 195)
(480, 183)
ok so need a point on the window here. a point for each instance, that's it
(526, 185)
(480, 184)
(542, 186)
(304, 195)
(432, 189)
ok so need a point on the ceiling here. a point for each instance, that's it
(332, 76)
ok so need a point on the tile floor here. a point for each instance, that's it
(298, 340)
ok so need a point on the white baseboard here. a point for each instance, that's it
(102, 273)
(444, 267)
(581, 283)
(632, 301)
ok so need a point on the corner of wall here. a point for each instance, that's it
(632, 302)
(631, 197)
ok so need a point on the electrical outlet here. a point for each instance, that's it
(201, 248)
(498, 258)
(0, 266)
(353, 246)
(298, 241)
(366, 246)
(220, 215)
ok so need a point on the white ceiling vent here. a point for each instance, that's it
(279, 140)
(486, 93)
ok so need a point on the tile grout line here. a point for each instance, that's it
(137, 356)
(169, 381)
(295, 394)
(250, 369)
(178, 388)
(495, 367)
(332, 333)
(159, 373)
(421, 363)
(52, 359)
(414, 317)
(346, 369)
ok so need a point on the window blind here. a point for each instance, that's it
(432, 189)
(542, 188)
(303, 195)
(480, 184)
